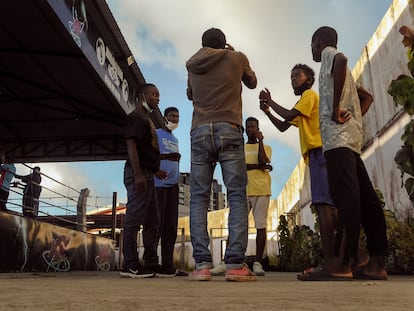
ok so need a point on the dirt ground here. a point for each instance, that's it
(276, 291)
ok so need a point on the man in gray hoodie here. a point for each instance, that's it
(215, 76)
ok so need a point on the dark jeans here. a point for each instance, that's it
(141, 209)
(168, 207)
(357, 203)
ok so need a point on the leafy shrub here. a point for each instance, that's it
(301, 248)
(402, 92)
(400, 244)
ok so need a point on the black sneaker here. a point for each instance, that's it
(138, 273)
(181, 273)
(166, 273)
(161, 272)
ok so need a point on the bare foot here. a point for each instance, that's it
(342, 274)
(375, 268)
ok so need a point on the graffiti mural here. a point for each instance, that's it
(103, 262)
(29, 245)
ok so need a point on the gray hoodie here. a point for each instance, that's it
(214, 85)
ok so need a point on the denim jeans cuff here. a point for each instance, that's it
(234, 266)
(204, 265)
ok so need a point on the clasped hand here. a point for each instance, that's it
(341, 116)
(267, 167)
(264, 98)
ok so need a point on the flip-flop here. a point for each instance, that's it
(321, 274)
(359, 275)
(311, 270)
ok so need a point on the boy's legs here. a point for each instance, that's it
(321, 198)
(345, 191)
(136, 210)
(230, 146)
(203, 163)
(168, 230)
(150, 233)
(373, 223)
(259, 206)
(327, 225)
(260, 243)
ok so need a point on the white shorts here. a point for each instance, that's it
(259, 206)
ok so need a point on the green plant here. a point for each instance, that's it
(274, 262)
(400, 244)
(299, 249)
(402, 91)
(285, 243)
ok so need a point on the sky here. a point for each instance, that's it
(274, 35)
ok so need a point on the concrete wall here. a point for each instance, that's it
(383, 59)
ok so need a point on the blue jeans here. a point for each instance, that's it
(211, 143)
(141, 209)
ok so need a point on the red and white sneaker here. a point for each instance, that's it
(200, 275)
(242, 274)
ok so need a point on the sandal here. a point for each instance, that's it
(312, 270)
(320, 273)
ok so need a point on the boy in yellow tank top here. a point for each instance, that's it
(258, 186)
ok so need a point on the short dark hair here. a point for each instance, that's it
(143, 87)
(213, 38)
(253, 119)
(308, 72)
(326, 35)
(169, 109)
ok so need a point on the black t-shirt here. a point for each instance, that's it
(142, 129)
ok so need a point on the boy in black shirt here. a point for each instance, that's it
(143, 161)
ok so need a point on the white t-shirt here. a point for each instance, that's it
(335, 135)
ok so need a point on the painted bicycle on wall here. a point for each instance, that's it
(102, 261)
(55, 257)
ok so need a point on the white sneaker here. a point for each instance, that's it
(219, 270)
(258, 269)
(131, 273)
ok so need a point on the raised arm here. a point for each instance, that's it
(261, 157)
(365, 99)
(286, 114)
(339, 74)
(249, 77)
(280, 125)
